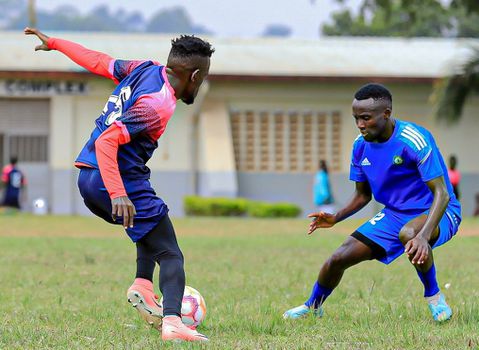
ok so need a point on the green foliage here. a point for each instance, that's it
(273, 210)
(208, 206)
(451, 93)
(407, 18)
(13, 15)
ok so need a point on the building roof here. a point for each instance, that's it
(271, 57)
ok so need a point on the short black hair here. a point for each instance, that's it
(190, 45)
(13, 160)
(374, 91)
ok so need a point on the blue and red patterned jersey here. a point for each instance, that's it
(133, 119)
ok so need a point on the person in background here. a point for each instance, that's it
(476, 211)
(454, 175)
(14, 182)
(323, 197)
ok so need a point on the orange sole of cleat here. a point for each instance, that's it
(152, 317)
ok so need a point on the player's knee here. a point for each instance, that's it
(406, 234)
(337, 260)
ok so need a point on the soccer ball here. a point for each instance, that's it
(193, 307)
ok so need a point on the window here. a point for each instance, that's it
(282, 141)
(29, 148)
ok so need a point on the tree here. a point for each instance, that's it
(174, 20)
(278, 30)
(452, 92)
(407, 18)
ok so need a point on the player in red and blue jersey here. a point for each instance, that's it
(14, 182)
(400, 164)
(114, 178)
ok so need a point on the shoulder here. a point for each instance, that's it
(358, 144)
(415, 137)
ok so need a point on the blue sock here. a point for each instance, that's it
(318, 295)
(429, 280)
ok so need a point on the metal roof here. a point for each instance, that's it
(324, 57)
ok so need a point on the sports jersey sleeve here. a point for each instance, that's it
(424, 153)
(356, 173)
(93, 61)
(121, 68)
(106, 149)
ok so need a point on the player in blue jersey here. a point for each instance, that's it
(399, 163)
(14, 182)
(114, 178)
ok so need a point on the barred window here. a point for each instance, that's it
(29, 148)
(283, 141)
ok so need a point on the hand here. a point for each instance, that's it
(321, 220)
(123, 207)
(418, 248)
(41, 36)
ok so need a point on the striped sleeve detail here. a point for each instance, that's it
(415, 137)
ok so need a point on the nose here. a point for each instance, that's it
(360, 124)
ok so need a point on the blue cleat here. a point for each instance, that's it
(441, 311)
(302, 311)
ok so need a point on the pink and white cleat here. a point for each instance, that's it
(141, 296)
(174, 329)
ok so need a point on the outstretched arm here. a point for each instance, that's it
(94, 61)
(361, 197)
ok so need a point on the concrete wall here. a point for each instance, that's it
(196, 155)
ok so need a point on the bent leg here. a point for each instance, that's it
(350, 253)
(410, 231)
(426, 271)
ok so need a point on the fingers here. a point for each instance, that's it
(132, 212)
(126, 216)
(417, 253)
(114, 211)
(29, 31)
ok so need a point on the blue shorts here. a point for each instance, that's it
(381, 233)
(149, 208)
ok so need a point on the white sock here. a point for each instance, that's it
(434, 299)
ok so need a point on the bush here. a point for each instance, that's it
(215, 206)
(273, 210)
(204, 206)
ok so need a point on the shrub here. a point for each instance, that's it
(273, 210)
(207, 206)
(216, 206)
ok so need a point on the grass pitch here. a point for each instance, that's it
(64, 279)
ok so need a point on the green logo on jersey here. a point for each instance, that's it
(397, 160)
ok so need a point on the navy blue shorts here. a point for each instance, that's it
(382, 231)
(150, 209)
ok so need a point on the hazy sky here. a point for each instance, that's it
(229, 18)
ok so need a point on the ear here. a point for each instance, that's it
(195, 75)
(387, 113)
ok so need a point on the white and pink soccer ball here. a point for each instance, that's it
(193, 307)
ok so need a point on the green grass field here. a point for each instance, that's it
(64, 279)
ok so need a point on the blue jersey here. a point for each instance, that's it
(397, 170)
(14, 181)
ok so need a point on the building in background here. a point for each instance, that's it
(271, 110)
